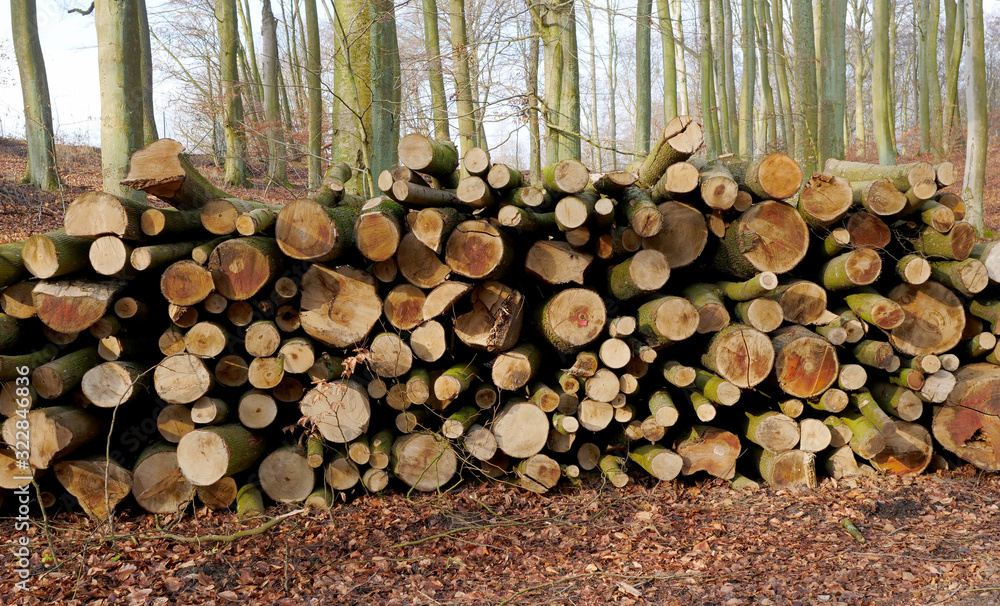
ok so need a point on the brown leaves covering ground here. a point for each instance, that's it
(934, 539)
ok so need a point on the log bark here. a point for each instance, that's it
(682, 136)
(968, 277)
(875, 309)
(62, 375)
(859, 267)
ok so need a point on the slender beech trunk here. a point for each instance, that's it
(386, 91)
(535, 139)
(977, 117)
(932, 75)
(683, 104)
(612, 86)
(893, 34)
(643, 79)
(435, 75)
(562, 91)
(922, 26)
(769, 134)
(243, 8)
(463, 93)
(146, 66)
(749, 78)
(728, 52)
(709, 117)
(596, 153)
(276, 165)
(225, 16)
(881, 100)
(669, 60)
(315, 95)
(805, 80)
(120, 74)
(955, 45)
(781, 74)
(35, 92)
(859, 79)
(832, 79)
(720, 89)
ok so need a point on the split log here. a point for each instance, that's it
(418, 263)
(207, 454)
(770, 236)
(157, 482)
(162, 170)
(339, 306)
(424, 461)
(557, 262)
(99, 484)
(538, 473)
(494, 324)
(16, 300)
(709, 449)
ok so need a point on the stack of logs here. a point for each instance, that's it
(667, 318)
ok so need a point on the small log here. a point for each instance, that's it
(207, 454)
(802, 302)
(566, 177)
(868, 231)
(762, 314)
(429, 341)
(220, 215)
(866, 440)
(683, 234)
(902, 176)
(257, 409)
(852, 377)
(339, 306)
(502, 177)
(219, 496)
(459, 421)
(967, 424)
(480, 442)
(451, 383)
(878, 310)
(249, 502)
(805, 364)
(54, 254)
(667, 320)
(772, 431)
(186, 283)
(424, 461)
(157, 482)
(937, 387)
(557, 262)
(875, 354)
(682, 136)
(60, 376)
(913, 269)
(718, 187)
(475, 193)
(257, 221)
(162, 170)
(514, 368)
(968, 277)
(879, 197)
(956, 244)
(285, 475)
(174, 422)
(98, 483)
(389, 355)
(209, 411)
(757, 286)
(404, 306)
(262, 339)
(538, 473)
(859, 267)
(265, 373)
(775, 176)
(679, 180)
(615, 353)
(644, 272)
(206, 339)
(55, 431)
(864, 402)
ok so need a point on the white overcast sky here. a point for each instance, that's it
(69, 44)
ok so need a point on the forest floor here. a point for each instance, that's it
(929, 540)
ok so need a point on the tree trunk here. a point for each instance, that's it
(232, 113)
(749, 45)
(643, 73)
(386, 87)
(669, 60)
(882, 67)
(39, 136)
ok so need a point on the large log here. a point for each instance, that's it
(478, 249)
(186, 283)
(419, 264)
(207, 454)
(162, 170)
(339, 410)
(73, 305)
(285, 475)
(934, 319)
(879, 197)
(805, 364)
(379, 229)
(421, 153)
(903, 176)
(770, 236)
(182, 379)
(521, 429)
(667, 320)
(709, 449)
(574, 318)
(741, 355)
(683, 234)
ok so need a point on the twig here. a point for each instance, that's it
(221, 538)
(81, 11)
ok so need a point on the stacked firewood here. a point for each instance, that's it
(665, 319)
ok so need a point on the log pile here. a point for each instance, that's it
(665, 319)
